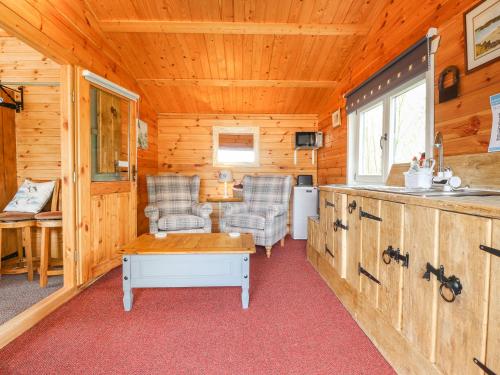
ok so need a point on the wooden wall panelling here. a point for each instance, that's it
(185, 147)
(465, 122)
(37, 141)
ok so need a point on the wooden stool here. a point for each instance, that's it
(22, 223)
(47, 221)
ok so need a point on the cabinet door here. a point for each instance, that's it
(391, 275)
(329, 238)
(420, 296)
(339, 234)
(322, 210)
(460, 324)
(353, 246)
(370, 230)
(493, 342)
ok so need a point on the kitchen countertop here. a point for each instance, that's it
(487, 206)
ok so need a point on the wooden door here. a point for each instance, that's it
(420, 296)
(461, 324)
(493, 341)
(107, 209)
(329, 234)
(353, 241)
(369, 260)
(391, 275)
(340, 233)
(8, 169)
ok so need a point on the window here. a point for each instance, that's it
(110, 133)
(235, 146)
(391, 130)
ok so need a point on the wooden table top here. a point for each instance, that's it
(191, 243)
(224, 199)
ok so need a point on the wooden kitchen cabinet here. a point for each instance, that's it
(400, 310)
(460, 334)
(353, 241)
(493, 336)
(370, 257)
(391, 275)
(418, 325)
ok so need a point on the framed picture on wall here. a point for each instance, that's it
(142, 135)
(336, 120)
(482, 34)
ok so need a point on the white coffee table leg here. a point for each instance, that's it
(245, 280)
(128, 296)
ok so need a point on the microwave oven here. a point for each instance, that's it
(308, 139)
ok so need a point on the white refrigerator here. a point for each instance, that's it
(304, 204)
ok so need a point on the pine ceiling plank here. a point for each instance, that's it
(208, 27)
(212, 56)
(194, 82)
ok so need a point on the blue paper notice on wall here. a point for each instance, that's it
(495, 126)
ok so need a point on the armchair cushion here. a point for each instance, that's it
(180, 222)
(246, 220)
(202, 209)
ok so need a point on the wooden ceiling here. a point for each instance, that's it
(236, 56)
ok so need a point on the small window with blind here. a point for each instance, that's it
(234, 146)
(387, 117)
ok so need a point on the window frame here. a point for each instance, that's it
(253, 130)
(353, 123)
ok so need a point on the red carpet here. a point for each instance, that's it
(294, 325)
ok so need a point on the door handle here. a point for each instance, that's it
(383, 138)
(134, 173)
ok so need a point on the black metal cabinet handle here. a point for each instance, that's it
(351, 206)
(451, 283)
(338, 224)
(391, 253)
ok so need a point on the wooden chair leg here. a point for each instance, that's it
(268, 251)
(29, 254)
(1, 248)
(20, 245)
(44, 256)
(282, 242)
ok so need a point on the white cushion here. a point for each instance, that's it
(31, 197)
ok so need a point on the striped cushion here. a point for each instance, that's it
(246, 221)
(179, 222)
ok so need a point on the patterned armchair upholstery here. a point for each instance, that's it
(263, 212)
(174, 207)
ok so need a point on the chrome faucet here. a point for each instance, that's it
(438, 143)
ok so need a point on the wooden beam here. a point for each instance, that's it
(160, 82)
(177, 27)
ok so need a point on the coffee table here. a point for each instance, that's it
(187, 260)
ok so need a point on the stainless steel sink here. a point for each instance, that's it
(434, 192)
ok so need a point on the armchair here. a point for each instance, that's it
(263, 212)
(174, 207)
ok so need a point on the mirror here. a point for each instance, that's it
(110, 132)
(236, 146)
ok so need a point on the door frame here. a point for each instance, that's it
(86, 189)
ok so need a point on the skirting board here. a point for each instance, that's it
(394, 347)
